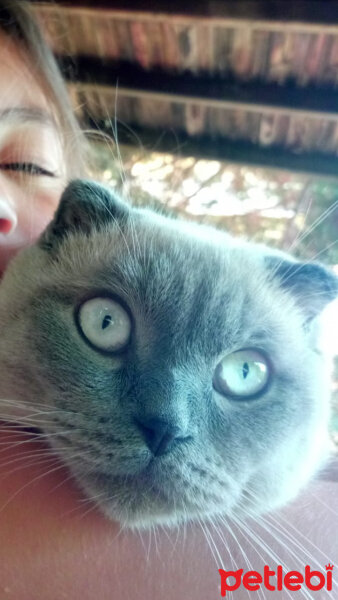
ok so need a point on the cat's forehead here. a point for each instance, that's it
(160, 259)
(184, 284)
(188, 284)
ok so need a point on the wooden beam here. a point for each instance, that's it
(306, 11)
(231, 151)
(310, 101)
(184, 18)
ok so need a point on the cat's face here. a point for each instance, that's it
(175, 365)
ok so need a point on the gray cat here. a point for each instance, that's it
(177, 366)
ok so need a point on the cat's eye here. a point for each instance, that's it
(105, 324)
(243, 374)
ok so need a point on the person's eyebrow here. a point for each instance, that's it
(27, 114)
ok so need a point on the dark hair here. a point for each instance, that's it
(17, 20)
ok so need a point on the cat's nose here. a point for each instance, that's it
(8, 218)
(160, 435)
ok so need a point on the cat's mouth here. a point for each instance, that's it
(143, 469)
(139, 501)
(142, 489)
(162, 492)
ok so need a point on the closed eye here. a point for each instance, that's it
(27, 168)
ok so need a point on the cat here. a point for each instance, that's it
(172, 367)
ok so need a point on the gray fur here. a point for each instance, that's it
(195, 295)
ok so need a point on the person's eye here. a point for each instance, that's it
(28, 168)
(243, 374)
(105, 324)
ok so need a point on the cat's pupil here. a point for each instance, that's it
(245, 370)
(106, 321)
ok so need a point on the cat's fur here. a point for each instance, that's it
(195, 295)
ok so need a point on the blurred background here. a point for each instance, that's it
(222, 111)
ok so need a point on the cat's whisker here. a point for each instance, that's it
(81, 503)
(185, 521)
(26, 455)
(214, 551)
(135, 240)
(290, 539)
(297, 531)
(306, 216)
(211, 542)
(141, 149)
(47, 453)
(164, 532)
(120, 161)
(327, 506)
(179, 526)
(200, 522)
(123, 174)
(107, 138)
(224, 521)
(119, 228)
(322, 217)
(32, 437)
(300, 534)
(33, 404)
(244, 554)
(325, 215)
(92, 497)
(256, 539)
(275, 533)
(92, 507)
(293, 271)
(22, 456)
(47, 412)
(35, 462)
(155, 540)
(21, 426)
(66, 479)
(296, 559)
(142, 534)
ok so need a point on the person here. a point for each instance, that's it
(54, 543)
(38, 131)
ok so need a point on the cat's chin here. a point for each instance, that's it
(142, 519)
(146, 515)
(140, 502)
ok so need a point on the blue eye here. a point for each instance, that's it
(243, 374)
(27, 168)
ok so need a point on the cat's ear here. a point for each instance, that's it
(84, 206)
(312, 284)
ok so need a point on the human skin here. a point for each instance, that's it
(53, 544)
(32, 173)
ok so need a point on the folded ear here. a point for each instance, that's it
(84, 206)
(312, 284)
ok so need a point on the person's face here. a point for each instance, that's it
(31, 162)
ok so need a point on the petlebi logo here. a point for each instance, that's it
(276, 580)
